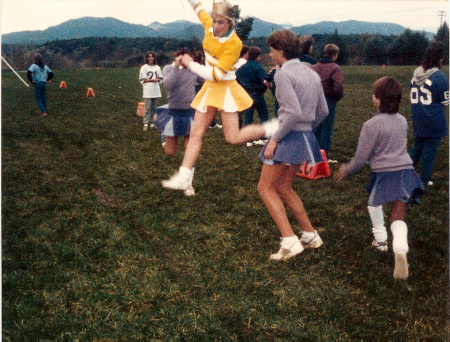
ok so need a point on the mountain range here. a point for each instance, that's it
(182, 29)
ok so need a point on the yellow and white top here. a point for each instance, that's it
(220, 89)
(221, 53)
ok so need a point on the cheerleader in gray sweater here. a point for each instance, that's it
(302, 107)
(382, 143)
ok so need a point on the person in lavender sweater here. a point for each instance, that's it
(382, 143)
(302, 107)
(175, 119)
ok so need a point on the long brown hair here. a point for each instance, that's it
(38, 59)
(147, 54)
(433, 55)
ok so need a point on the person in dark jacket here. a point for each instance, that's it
(251, 77)
(39, 74)
(333, 86)
(306, 45)
(270, 84)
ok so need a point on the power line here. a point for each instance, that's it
(441, 14)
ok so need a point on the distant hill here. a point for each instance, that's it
(350, 27)
(182, 29)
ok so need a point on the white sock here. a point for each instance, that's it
(287, 242)
(191, 177)
(400, 233)
(377, 218)
(270, 127)
(185, 172)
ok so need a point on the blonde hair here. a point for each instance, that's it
(224, 9)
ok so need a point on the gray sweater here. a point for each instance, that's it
(179, 85)
(300, 95)
(382, 142)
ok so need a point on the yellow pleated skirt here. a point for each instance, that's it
(228, 96)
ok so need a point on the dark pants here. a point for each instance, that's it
(324, 131)
(40, 94)
(425, 148)
(259, 103)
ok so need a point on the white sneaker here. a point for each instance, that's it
(430, 183)
(381, 246)
(190, 191)
(332, 161)
(401, 266)
(177, 182)
(288, 251)
(249, 144)
(271, 127)
(311, 241)
(145, 127)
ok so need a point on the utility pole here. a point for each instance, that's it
(441, 14)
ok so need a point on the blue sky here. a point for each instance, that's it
(23, 15)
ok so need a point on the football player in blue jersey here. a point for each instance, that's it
(429, 95)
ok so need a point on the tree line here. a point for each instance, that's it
(355, 49)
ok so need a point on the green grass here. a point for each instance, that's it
(93, 246)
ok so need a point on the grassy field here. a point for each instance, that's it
(93, 247)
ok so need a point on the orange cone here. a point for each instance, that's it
(63, 85)
(317, 171)
(90, 92)
(140, 109)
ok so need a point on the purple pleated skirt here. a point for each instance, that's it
(403, 185)
(294, 149)
(174, 122)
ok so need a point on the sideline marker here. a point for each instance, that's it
(317, 171)
(90, 92)
(140, 109)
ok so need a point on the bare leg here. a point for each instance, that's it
(233, 135)
(198, 129)
(269, 181)
(186, 141)
(291, 199)
(398, 211)
(170, 146)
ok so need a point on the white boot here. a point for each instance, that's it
(378, 228)
(400, 248)
(179, 181)
(290, 247)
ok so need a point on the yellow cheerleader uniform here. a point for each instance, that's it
(220, 90)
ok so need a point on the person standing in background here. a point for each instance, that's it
(39, 74)
(306, 45)
(429, 95)
(333, 86)
(251, 77)
(150, 76)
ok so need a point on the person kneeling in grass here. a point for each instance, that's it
(382, 142)
(302, 108)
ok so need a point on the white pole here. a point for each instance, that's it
(15, 72)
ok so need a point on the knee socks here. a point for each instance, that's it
(377, 218)
(400, 237)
